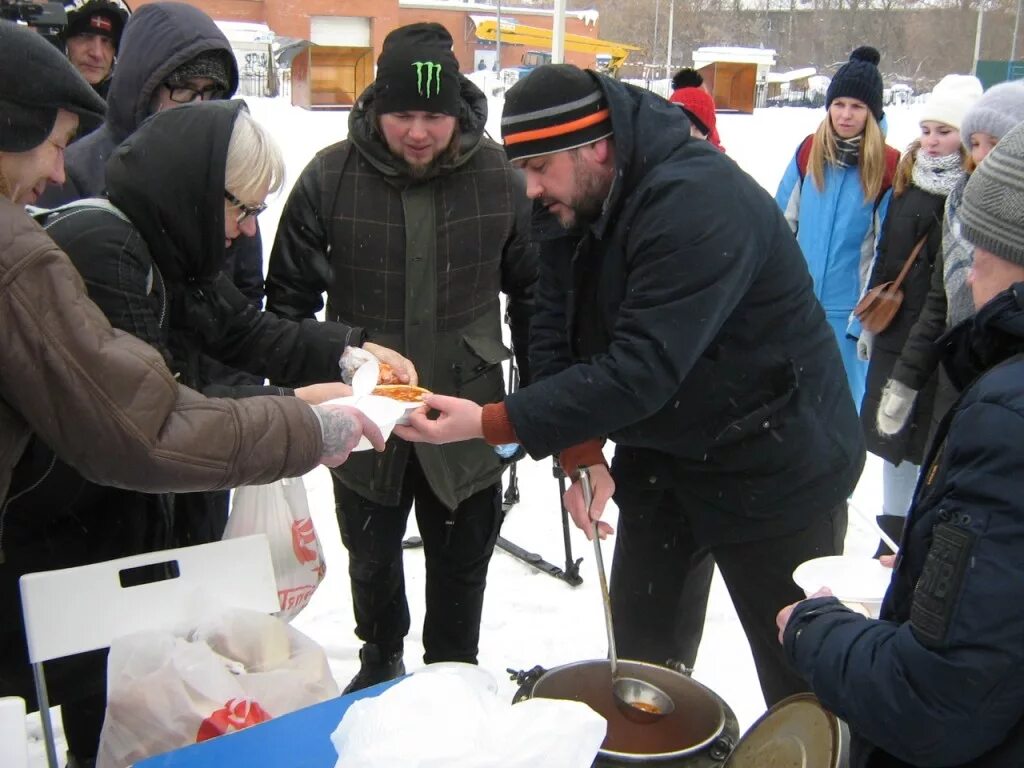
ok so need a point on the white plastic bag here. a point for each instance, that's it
(450, 716)
(168, 690)
(281, 511)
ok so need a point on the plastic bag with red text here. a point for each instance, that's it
(166, 690)
(281, 511)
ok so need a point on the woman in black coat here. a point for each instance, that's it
(931, 167)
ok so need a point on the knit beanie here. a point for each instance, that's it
(952, 96)
(97, 17)
(999, 109)
(699, 106)
(29, 104)
(859, 79)
(556, 107)
(216, 65)
(416, 70)
(687, 77)
(992, 211)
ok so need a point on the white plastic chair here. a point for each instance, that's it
(75, 610)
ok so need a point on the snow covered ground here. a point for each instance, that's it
(530, 618)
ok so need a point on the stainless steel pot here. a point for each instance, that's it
(700, 733)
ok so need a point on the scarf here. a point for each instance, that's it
(957, 258)
(937, 175)
(848, 151)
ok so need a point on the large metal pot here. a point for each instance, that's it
(700, 733)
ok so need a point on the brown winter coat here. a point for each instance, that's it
(106, 403)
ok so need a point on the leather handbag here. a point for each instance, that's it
(878, 307)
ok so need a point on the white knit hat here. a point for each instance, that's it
(950, 100)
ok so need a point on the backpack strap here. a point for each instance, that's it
(803, 156)
(892, 160)
(335, 159)
(86, 204)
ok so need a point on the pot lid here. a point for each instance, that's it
(796, 733)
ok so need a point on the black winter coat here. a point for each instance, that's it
(420, 263)
(686, 330)
(912, 215)
(939, 680)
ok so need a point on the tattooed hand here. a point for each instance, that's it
(342, 427)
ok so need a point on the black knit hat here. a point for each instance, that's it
(97, 17)
(416, 70)
(29, 104)
(859, 79)
(216, 65)
(554, 108)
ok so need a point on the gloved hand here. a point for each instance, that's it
(864, 345)
(894, 408)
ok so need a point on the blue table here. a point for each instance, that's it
(301, 739)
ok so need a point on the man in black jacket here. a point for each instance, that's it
(412, 226)
(685, 329)
(92, 37)
(939, 678)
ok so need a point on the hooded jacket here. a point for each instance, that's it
(693, 338)
(158, 39)
(419, 263)
(939, 679)
(169, 235)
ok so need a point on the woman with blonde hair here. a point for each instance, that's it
(932, 167)
(834, 195)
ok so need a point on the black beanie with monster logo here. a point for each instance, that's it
(417, 71)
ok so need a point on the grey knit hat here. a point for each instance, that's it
(215, 65)
(992, 211)
(999, 109)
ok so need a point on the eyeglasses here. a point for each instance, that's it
(183, 94)
(246, 210)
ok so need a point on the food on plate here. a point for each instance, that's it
(387, 375)
(406, 393)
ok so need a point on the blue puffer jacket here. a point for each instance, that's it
(837, 231)
(939, 680)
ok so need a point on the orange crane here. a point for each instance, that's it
(610, 56)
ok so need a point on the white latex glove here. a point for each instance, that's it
(864, 344)
(894, 408)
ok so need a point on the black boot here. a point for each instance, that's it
(892, 525)
(376, 666)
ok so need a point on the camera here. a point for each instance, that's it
(48, 18)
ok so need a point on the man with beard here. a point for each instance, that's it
(684, 328)
(412, 226)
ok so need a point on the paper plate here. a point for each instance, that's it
(851, 579)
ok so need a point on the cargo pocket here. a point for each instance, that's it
(479, 375)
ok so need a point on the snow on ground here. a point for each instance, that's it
(530, 618)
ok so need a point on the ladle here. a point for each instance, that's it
(637, 700)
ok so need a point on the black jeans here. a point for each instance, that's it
(457, 547)
(660, 581)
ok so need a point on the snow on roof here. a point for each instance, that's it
(588, 16)
(245, 31)
(788, 77)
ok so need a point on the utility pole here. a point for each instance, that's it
(668, 56)
(558, 28)
(497, 41)
(654, 44)
(977, 36)
(1016, 28)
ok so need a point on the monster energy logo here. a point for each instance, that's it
(432, 70)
